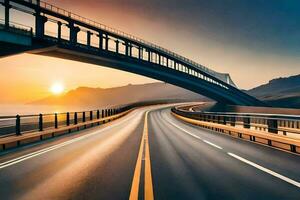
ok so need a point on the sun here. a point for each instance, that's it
(57, 88)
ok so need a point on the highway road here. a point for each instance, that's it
(148, 154)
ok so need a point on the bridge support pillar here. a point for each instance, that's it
(117, 46)
(73, 32)
(40, 25)
(100, 35)
(59, 24)
(88, 37)
(159, 59)
(7, 7)
(106, 42)
(140, 53)
(148, 57)
(130, 49)
(126, 48)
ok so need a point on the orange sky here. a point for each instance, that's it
(27, 77)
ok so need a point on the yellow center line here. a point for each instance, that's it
(148, 176)
(148, 186)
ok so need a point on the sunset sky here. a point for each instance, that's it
(254, 41)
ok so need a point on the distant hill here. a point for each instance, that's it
(280, 92)
(85, 96)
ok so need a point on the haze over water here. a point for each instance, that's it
(27, 109)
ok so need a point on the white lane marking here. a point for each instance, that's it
(45, 150)
(207, 142)
(191, 134)
(30, 154)
(212, 144)
(284, 178)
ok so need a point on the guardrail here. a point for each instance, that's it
(265, 130)
(23, 124)
(25, 129)
(287, 125)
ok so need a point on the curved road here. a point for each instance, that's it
(160, 157)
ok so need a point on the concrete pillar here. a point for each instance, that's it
(126, 48)
(130, 50)
(73, 32)
(106, 41)
(159, 59)
(117, 46)
(59, 24)
(40, 25)
(7, 7)
(88, 38)
(100, 35)
(140, 53)
(149, 56)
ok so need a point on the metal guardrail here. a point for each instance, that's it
(275, 124)
(22, 124)
(272, 140)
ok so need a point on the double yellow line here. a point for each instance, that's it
(144, 154)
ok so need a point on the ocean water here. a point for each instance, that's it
(25, 109)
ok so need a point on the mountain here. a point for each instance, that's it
(85, 96)
(280, 92)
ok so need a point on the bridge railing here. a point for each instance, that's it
(218, 85)
(285, 125)
(77, 17)
(17, 28)
(220, 79)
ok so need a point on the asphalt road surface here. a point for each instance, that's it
(148, 154)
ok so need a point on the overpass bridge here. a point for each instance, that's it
(115, 49)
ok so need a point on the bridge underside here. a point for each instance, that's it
(115, 49)
(121, 62)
